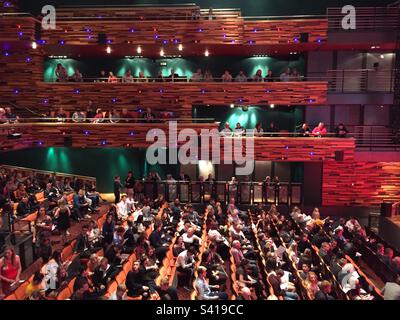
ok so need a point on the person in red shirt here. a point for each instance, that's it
(10, 269)
(320, 130)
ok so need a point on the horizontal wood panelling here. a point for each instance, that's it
(175, 97)
(296, 149)
(14, 28)
(116, 135)
(284, 31)
(303, 149)
(121, 134)
(12, 6)
(146, 32)
(360, 183)
(21, 68)
(131, 12)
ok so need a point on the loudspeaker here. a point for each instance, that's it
(102, 38)
(304, 37)
(68, 141)
(386, 209)
(339, 155)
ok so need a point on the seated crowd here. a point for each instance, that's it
(97, 115)
(198, 76)
(150, 249)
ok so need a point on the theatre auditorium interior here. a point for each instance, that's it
(226, 150)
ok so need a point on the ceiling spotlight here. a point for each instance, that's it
(272, 106)
(180, 47)
(206, 53)
(139, 50)
(162, 52)
(108, 50)
(232, 105)
(382, 56)
(34, 45)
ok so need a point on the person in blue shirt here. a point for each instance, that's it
(203, 289)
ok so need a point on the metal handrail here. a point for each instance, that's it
(45, 119)
(58, 174)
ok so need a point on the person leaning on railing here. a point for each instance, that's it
(319, 130)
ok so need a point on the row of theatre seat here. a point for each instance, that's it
(68, 255)
(325, 270)
(328, 274)
(40, 197)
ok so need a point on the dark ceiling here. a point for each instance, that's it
(248, 7)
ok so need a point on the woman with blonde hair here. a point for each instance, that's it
(311, 285)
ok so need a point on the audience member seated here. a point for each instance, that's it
(77, 76)
(197, 76)
(204, 290)
(241, 77)
(78, 116)
(305, 130)
(227, 131)
(226, 77)
(165, 291)
(61, 73)
(285, 77)
(320, 130)
(120, 293)
(127, 78)
(269, 77)
(173, 76)
(258, 76)
(112, 78)
(391, 290)
(341, 131)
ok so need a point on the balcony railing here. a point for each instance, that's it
(341, 81)
(357, 80)
(367, 18)
(223, 191)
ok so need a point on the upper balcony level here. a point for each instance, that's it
(195, 28)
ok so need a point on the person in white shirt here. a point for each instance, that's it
(78, 116)
(285, 77)
(227, 131)
(198, 76)
(353, 225)
(122, 208)
(189, 238)
(239, 130)
(185, 265)
(130, 203)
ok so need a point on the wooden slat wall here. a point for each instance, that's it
(116, 135)
(147, 32)
(360, 183)
(119, 135)
(294, 149)
(226, 31)
(175, 97)
(12, 6)
(303, 149)
(10, 28)
(131, 12)
(284, 31)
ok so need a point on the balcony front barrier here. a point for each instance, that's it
(245, 193)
